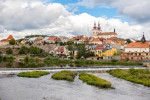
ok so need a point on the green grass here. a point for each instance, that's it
(33, 74)
(94, 80)
(64, 75)
(140, 76)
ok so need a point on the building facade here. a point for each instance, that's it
(97, 33)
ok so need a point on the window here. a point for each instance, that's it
(146, 53)
(139, 53)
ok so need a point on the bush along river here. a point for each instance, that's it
(43, 87)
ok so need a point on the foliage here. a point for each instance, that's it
(81, 52)
(64, 75)
(140, 76)
(12, 42)
(128, 41)
(118, 53)
(70, 47)
(94, 80)
(35, 50)
(23, 50)
(33, 74)
(113, 60)
(31, 36)
(9, 51)
(6, 58)
(56, 61)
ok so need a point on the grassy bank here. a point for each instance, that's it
(140, 76)
(33, 74)
(57, 61)
(64, 75)
(94, 80)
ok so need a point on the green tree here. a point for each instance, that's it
(35, 50)
(12, 42)
(81, 52)
(26, 60)
(70, 47)
(128, 40)
(23, 50)
(9, 51)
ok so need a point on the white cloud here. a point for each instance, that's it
(21, 18)
(137, 10)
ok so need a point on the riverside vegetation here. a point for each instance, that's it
(94, 80)
(56, 61)
(33, 74)
(64, 75)
(140, 76)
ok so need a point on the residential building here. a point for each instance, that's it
(137, 51)
(6, 41)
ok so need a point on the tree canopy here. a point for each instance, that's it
(12, 42)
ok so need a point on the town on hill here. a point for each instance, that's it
(101, 46)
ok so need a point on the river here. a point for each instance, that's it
(45, 88)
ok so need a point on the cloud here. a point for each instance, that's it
(137, 10)
(21, 18)
(20, 15)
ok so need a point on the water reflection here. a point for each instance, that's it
(45, 88)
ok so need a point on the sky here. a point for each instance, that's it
(130, 18)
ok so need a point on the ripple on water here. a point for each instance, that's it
(46, 88)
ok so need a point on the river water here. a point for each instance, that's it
(45, 88)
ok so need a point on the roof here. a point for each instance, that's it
(137, 45)
(45, 38)
(115, 38)
(108, 33)
(99, 47)
(52, 38)
(60, 49)
(96, 40)
(9, 38)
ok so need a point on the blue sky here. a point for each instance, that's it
(71, 17)
(95, 11)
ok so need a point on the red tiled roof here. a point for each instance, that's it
(99, 47)
(60, 49)
(115, 38)
(96, 40)
(52, 38)
(107, 33)
(138, 45)
(9, 38)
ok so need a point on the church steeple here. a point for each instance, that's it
(114, 30)
(99, 28)
(143, 40)
(94, 26)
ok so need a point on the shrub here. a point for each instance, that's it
(9, 51)
(140, 76)
(64, 75)
(94, 80)
(12, 42)
(23, 50)
(33, 74)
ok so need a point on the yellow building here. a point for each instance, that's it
(107, 51)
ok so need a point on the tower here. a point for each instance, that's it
(143, 40)
(99, 28)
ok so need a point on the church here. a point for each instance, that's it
(97, 32)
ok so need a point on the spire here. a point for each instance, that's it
(143, 40)
(114, 30)
(94, 25)
(99, 26)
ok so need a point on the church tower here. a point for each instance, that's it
(96, 30)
